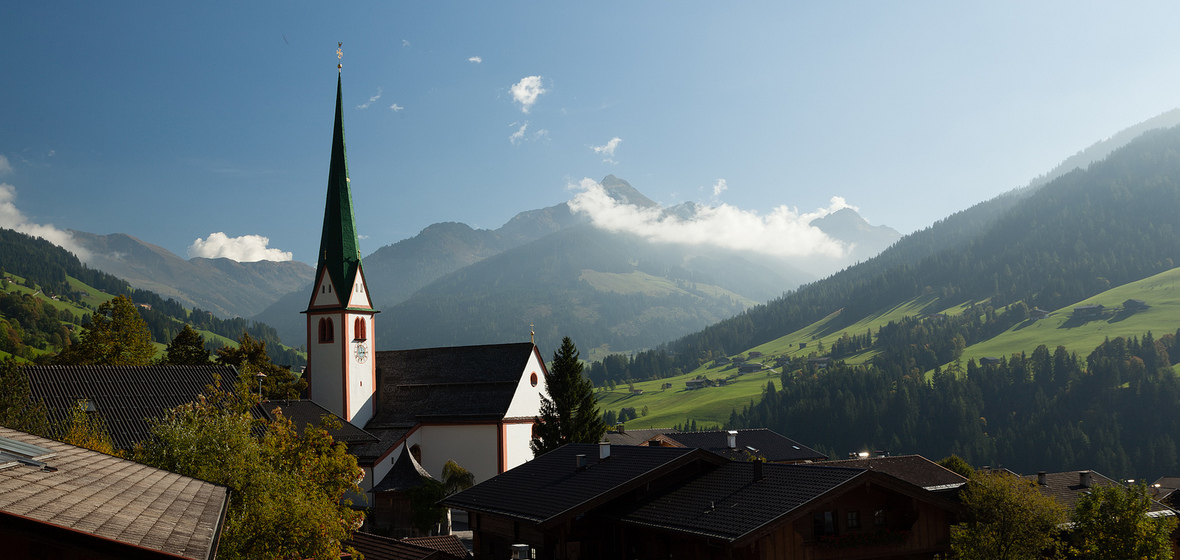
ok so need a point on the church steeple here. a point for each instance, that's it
(339, 255)
(340, 328)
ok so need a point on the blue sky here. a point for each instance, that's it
(172, 122)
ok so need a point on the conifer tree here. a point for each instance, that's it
(569, 414)
(187, 349)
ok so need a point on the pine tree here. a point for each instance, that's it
(569, 414)
(187, 349)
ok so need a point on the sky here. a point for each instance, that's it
(205, 127)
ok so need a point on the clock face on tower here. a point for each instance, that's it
(362, 352)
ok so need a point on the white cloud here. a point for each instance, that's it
(370, 101)
(5, 167)
(608, 149)
(12, 218)
(395, 107)
(405, 43)
(719, 187)
(519, 134)
(247, 248)
(784, 232)
(475, 59)
(526, 92)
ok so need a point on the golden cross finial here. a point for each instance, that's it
(339, 54)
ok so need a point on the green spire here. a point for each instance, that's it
(339, 251)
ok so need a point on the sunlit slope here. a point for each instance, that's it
(1160, 292)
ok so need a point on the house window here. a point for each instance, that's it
(416, 452)
(879, 518)
(358, 329)
(533, 379)
(852, 520)
(327, 330)
(823, 523)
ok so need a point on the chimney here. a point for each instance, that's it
(757, 471)
(733, 439)
(603, 450)
(1041, 478)
(621, 428)
(579, 462)
(1084, 478)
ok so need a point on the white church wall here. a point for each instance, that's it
(517, 438)
(526, 401)
(473, 446)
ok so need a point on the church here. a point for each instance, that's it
(474, 405)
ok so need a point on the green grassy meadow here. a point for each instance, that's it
(712, 405)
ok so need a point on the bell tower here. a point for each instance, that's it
(340, 342)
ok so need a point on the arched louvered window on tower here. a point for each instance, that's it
(327, 330)
(359, 330)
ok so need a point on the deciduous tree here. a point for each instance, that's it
(116, 336)
(286, 486)
(569, 414)
(250, 357)
(1007, 519)
(18, 410)
(1112, 522)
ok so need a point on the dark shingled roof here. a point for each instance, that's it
(635, 437)
(914, 469)
(111, 499)
(474, 382)
(376, 547)
(124, 396)
(550, 488)
(1066, 488)
(304, 413)
(760, 442)
(727, 503)
(405, 474)
(446, 543)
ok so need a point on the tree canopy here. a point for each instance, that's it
(116, 336)
(287, 487)
(569, 414)
(1113, 522)
(187, 349)
(251, 358)
(1007, 519)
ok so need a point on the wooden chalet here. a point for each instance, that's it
(584, 501)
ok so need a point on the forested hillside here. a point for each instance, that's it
(980, 273)
(1077, 236)
(28, 319)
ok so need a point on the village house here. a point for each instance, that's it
(65, 502)
(737, 445)
(586, 501)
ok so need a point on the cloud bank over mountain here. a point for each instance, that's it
(784, 232)
(246, 248)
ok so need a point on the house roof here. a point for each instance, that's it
(914, 469)
(474, 383)
(405, 474)
(446, 543)
(761, 442)
(728, 504)
(124, 396)
(376, 547)
(307, 413)
(113, 499)
(339, 254)
(550, 488)
(1066, 487)
(634, 437)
